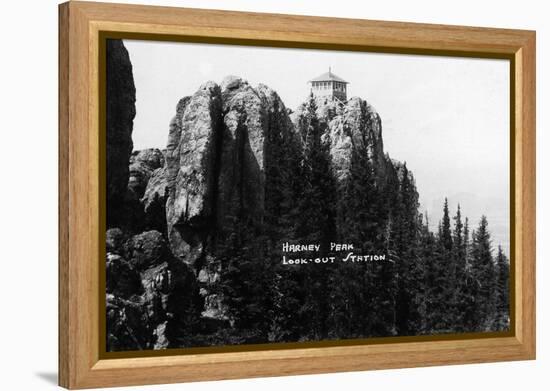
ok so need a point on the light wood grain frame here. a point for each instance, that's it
(80, 24)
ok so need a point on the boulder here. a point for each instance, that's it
(147, 249)
(127, 325)
(171, 301)
(157, 188)
(142, 166)
(115, 239)
(153, 298)
(209, 278)
(162, 341)
(152, 158)
(122, 279)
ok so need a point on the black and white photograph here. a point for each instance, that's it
(265, 195)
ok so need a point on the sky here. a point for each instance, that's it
(446, 117)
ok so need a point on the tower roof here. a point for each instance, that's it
(329, 76)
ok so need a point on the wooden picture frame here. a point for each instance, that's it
(81, 364)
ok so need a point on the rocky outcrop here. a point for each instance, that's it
(144, 205)
(215, 171)
(157, 188)
(122, 278)
(172, 301)
(279, 122)
(232, 149)
(152, 298)
(191, 169)
(215, 162)
(121, 96)
(241, 177)
(115, 240)
(354, 124)
(401, 170)
(142, 166)
(147, 249)
(127, 328)
(208, 278)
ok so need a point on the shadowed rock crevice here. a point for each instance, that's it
(121, 97)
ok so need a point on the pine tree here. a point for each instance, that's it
(427, 250)
(315, 219)
(244, 283)
(282, 162)
(446, 236)
(460, 295)
(363, 294)
(409, 266)
(484, 276)
(316, 223)
(442, 282)
(459, 266)
(502, 291)
(458, 235)
(349, 297)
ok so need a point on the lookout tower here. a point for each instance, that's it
(329, 85)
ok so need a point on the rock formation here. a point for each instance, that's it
(215, 161)
(121, 97)
(142, 165)
(241, 177)
(171, 213)
(152, 298)
(191, 169)
(354, 124)
(214, 172)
